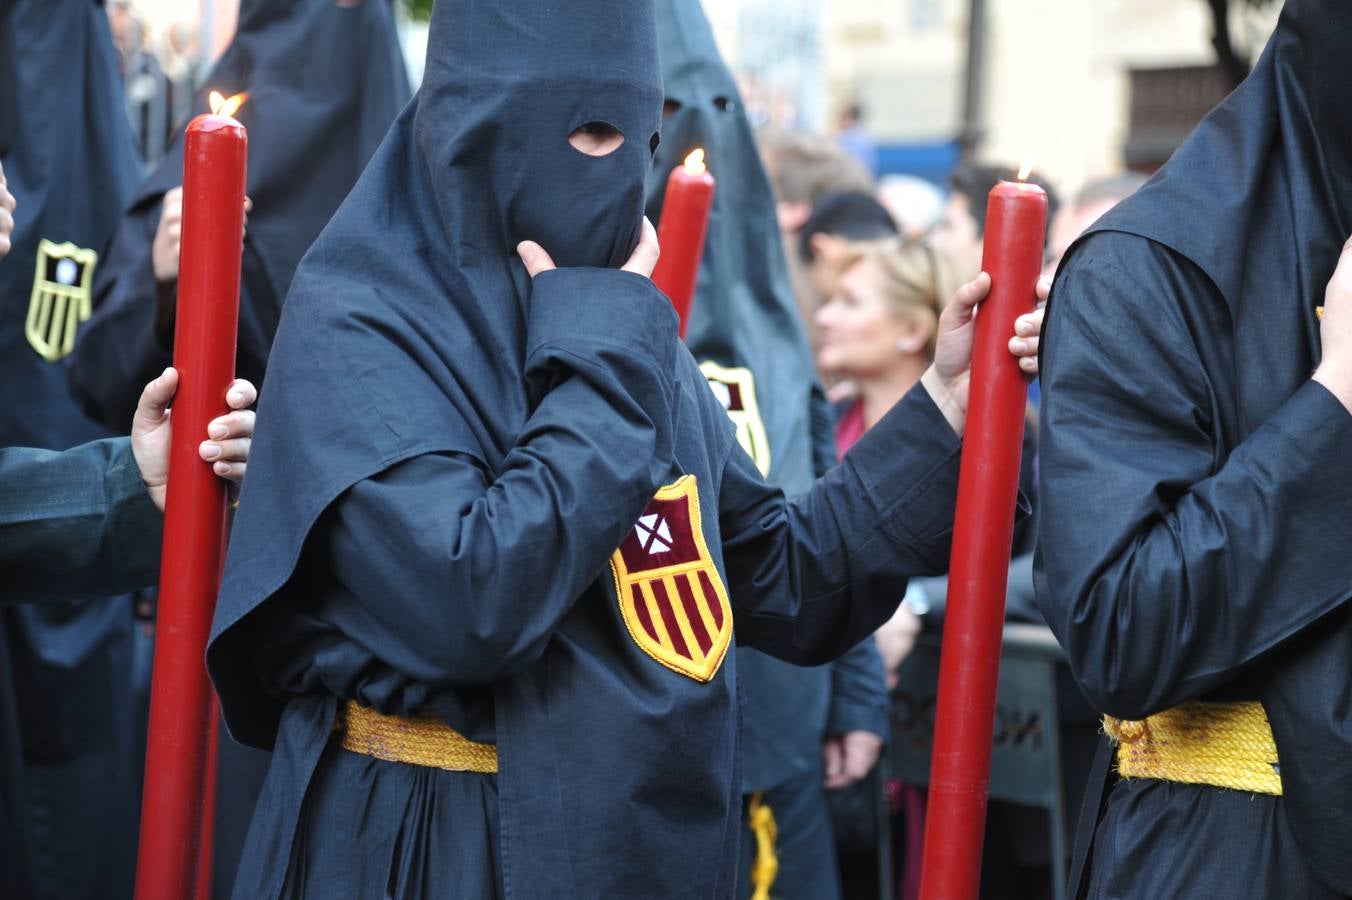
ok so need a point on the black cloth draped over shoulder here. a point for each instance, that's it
(1218, 552)
(744, 314)
(324, 81)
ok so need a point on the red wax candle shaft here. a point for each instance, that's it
(181, 707)
(988, 485)
(205, 862)
(681, 233)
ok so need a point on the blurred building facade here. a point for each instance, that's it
(1080, 87)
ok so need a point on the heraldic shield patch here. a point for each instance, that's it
(735, 388)
(671, 596)
(62, 298)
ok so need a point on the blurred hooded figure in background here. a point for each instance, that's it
(324, 80)
(70, 750)
(745, 332)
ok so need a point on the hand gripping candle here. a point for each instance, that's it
(988, 485)
(181, 703)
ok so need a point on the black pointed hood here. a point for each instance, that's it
(744, 314)
(324, 82)
(505, 85)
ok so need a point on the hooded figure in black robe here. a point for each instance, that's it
(70, 754)
(745, 333)
(1197, 517)
(324, 82)
(449, 456)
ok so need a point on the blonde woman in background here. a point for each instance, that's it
(878, 329)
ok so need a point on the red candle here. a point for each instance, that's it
(181, 707)
(685, 222)
(1016, 223)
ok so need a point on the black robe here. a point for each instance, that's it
(70, 751)
(455, 551)
(1195, 524)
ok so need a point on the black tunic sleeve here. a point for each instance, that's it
(455, 576)
(1167, 564)
(812, 576)
(75, 523)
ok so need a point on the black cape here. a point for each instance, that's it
(746, 333)
(324, 83)
(1215, 563)
(454, 551)
(70, 763)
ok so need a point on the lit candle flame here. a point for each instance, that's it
(221, 106)
(694, 163)
(1025, 169)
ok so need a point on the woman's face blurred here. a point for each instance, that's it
(861, 336)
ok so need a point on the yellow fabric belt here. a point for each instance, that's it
(420, 740)
(1226, 745)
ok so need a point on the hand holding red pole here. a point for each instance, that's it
(969, 667)
(181, 707)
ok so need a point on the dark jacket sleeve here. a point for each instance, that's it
(75, 523)
(456, 576)
(859, 700)
(811, 577)
(1165, 566)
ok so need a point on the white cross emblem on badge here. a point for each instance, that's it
(653, 533)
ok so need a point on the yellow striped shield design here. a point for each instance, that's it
(671, 596)
(735, 388)
(62, 298)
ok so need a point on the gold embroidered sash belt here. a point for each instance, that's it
(420, 740)
(1226, 745)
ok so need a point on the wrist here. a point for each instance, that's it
(1337, 379)
(945, 399)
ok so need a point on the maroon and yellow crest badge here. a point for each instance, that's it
(671, 596)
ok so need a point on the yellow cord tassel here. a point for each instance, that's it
(762, 823)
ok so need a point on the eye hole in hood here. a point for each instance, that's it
(596, 138)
